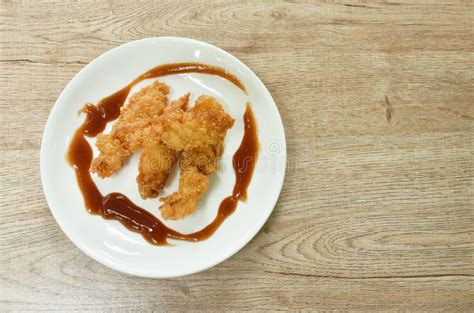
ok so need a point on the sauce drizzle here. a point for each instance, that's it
(116, 206)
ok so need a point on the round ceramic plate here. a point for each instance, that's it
(109, 242)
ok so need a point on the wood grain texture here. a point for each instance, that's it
(377, 209)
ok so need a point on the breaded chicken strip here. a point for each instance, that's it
(126, 135)
(192, 185)
(184, 130)
(204, 124)
(157, 160)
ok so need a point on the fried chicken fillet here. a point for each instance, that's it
(157, 159)
(204, 124)
(199, 133)
(163, 132)
(139, 126)
(126, 135)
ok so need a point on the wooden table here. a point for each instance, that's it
(377, 208)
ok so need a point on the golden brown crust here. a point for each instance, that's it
(163, 131)
(204, 124)
(127, 132)
(157, 160)
(192, 185)
(199, 133)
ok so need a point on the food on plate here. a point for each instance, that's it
(163, 132)
(157, 159)
(199, 133)
(204, 124)
(126, 135)
(196, 163)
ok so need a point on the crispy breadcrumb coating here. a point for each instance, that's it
(157, 160)
(164, 132)
(204, 124)
(126, 135)
(192, 185)
(199, 133)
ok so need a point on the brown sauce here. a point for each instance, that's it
(117, 206)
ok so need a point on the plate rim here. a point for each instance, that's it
(83, 247)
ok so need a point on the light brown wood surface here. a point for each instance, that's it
(377, 209)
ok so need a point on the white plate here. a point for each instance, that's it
(108, 241)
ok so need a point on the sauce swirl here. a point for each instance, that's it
(116, 206)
